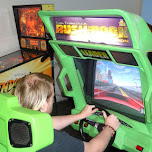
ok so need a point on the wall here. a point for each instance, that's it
(147, 11)
(133, 6)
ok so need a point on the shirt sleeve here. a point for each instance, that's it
(64, 142)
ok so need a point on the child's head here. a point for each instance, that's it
(35, 91)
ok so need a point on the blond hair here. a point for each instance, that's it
(33, 90)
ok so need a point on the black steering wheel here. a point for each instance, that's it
(97, 125)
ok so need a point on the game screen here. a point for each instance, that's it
(118, 84)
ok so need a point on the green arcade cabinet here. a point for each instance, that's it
(107, 56)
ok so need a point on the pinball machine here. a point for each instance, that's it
(35, 54)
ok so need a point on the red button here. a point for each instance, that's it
(139, 148)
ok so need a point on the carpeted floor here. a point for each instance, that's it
(64, 108)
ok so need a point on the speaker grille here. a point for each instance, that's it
(19, 133)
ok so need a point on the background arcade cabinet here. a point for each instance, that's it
(35, 54)
(31, 31)
(106, 55)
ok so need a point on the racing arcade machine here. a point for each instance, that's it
(107, 56)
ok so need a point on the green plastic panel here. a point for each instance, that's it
(41, 124)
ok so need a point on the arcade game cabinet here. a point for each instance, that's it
(35, 54)
(107, 56)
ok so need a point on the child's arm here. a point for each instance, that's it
(60, 122)
(100, 142)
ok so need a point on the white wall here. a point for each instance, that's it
(147, 11)
(133, 6)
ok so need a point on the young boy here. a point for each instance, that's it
(35, 91)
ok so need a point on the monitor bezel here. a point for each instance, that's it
(89, 96)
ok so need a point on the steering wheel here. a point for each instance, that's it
(97, 125)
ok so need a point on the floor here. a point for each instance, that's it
(64, 108)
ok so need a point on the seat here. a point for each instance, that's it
(22, 129)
